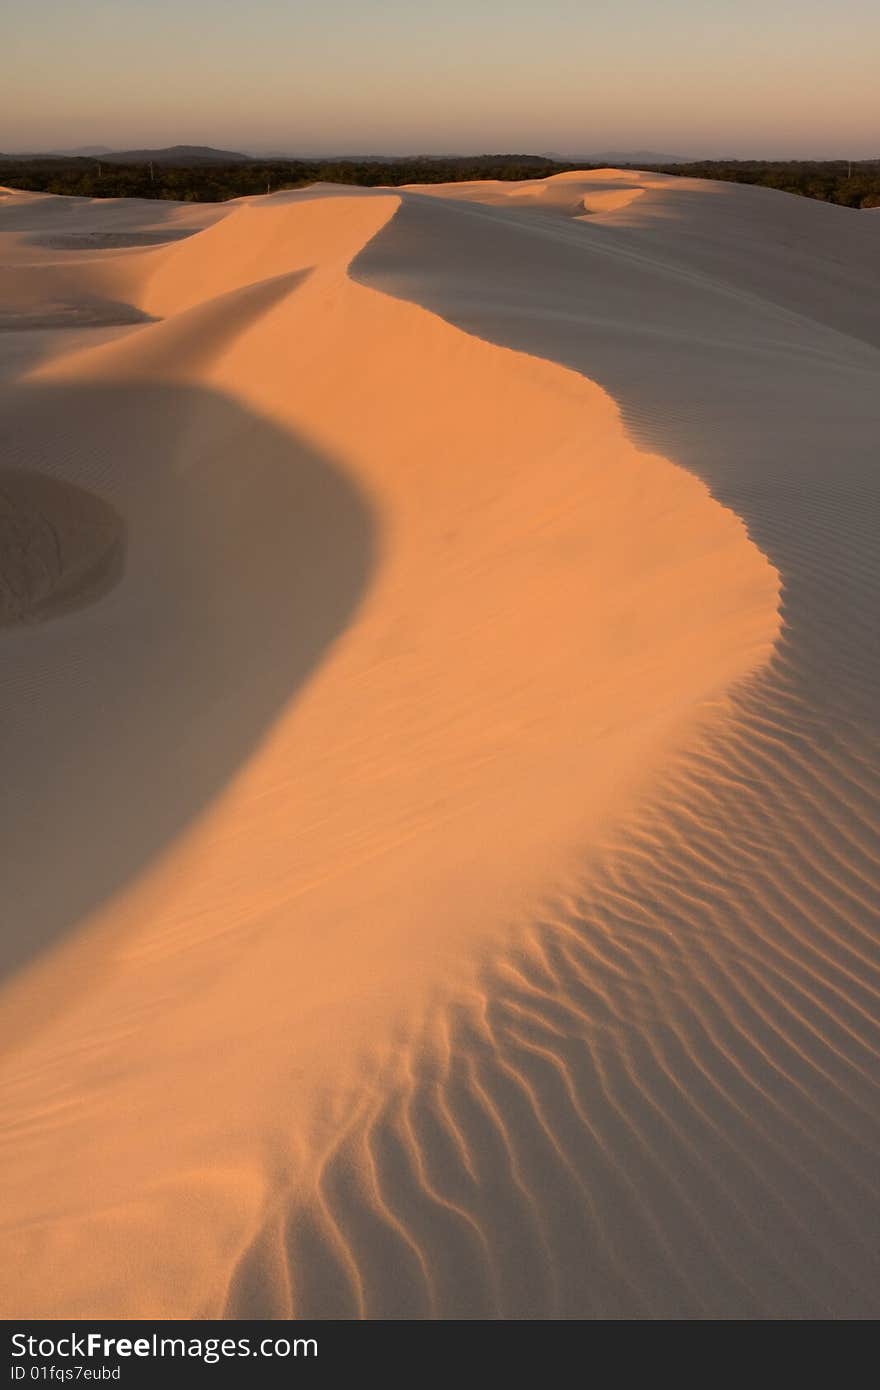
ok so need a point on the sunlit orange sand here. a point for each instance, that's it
(438, 877)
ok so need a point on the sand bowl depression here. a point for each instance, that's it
(60, 546)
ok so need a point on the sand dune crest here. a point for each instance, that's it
(490, 963)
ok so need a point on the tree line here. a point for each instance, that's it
(855, 185)
(850, 183)
(213, 183)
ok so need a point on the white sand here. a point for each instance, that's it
(427, 891)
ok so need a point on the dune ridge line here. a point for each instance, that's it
(424, 629)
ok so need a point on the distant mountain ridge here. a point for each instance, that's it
(178, 154)
(82, 151)
(183, 155)
(614, 157)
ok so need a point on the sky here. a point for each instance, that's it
(747, 78)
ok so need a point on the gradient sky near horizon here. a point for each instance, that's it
(786, 78)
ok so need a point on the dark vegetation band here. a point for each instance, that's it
(853, 184)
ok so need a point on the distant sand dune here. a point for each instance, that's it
(462, 887)
(577, 194)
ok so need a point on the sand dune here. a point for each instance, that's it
(440, 882)
(576, 194)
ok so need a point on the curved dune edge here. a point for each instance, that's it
(583, 194)
(680, 1061)
(553, 613)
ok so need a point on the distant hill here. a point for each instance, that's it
(639, 157)
(81, 152)
(616, 157)
(190, 156)
(377, 157)
(370, 158)
(177, 154)
(181, 156)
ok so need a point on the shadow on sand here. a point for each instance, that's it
(246, 555)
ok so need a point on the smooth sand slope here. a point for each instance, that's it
(427, 891)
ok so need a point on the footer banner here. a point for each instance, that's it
(259, 1354)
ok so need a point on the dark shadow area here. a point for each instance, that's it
(23, 349)
(98, 313)
(107, 241)
(247, 553)
(61, 547)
